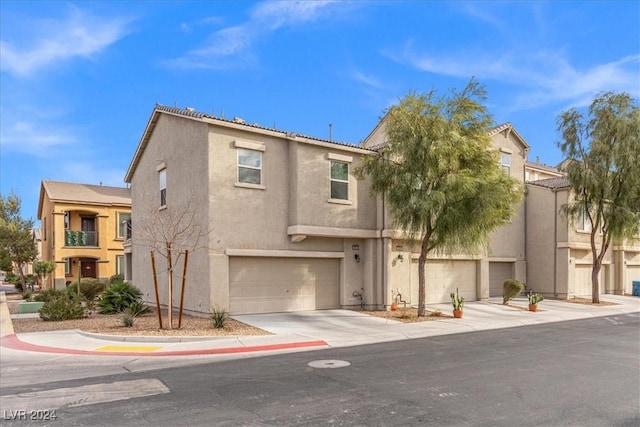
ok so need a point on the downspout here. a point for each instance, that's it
(382, 261)
(555, 238)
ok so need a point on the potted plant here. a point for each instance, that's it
(534, 299)
(458, 304)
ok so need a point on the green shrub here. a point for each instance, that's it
(116, 278)
(117, 297)
(511, 289)
(18, 286)
(49, 294)
(219, 317)
(128, 318)
(137, 308)
(26, 295)
(61, 308)
(90, 288)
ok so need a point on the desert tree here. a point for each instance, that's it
(170, 233)
(16, 239)
(602, 148)
(439, 174)
(43, 269)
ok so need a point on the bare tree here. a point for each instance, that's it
(171, 233)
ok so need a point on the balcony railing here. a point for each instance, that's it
(80, 238)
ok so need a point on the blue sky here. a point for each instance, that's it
(78, 80)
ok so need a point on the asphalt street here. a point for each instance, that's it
(575, 373)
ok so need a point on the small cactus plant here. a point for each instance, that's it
(457, 300)
(535, 298)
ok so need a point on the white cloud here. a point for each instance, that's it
(232, 46)
(89, 173)
(542, 77)
(367, 80)
(79, 34)
(35, 138)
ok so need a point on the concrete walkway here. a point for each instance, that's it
(312, 330)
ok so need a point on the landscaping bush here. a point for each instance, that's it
(116, 278)
(117, 297)
(62, 308)
(137, 308)
(511, 289)
(49, 294)
(90, 288)
(26, 295)
(219, 317)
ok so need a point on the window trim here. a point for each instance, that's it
(342, 181)
(162, 173)
(67, 266)
(506, 167)
(120, 264)
(583, 225)
(239, 149)
(120, 224)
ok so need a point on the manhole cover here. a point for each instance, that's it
(329, 364)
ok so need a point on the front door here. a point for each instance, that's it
(88, 268)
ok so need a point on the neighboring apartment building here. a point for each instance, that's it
(536, 171)
(290, 227)
(559, 252)
(83, 229)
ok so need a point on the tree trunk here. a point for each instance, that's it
(595, 282)
(422, 261)
(21, 275)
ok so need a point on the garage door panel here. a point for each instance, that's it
(582, 285)
(264, 285)
(633, 274)
(443, 277)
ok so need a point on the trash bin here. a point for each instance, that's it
(635, 289)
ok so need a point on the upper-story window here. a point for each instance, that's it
(249, 166)
(583, 221)
(122, 219)
(67, 220)
(162, 180)
(505, 162)
(339, 180)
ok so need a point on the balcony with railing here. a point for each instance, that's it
(80, 238)
(127, 230)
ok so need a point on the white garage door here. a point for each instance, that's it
(582, 280)
(443, 277)
(633, 275)
(498, 273)
(271, 285)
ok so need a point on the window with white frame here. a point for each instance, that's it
(339, 180)
(162, 180)
(120, 264)
(122, 218)
(67, 220)
(505, 162)
(67, 266)
(583, 221)
(249, 166)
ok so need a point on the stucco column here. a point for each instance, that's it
(482, 280)
(219, 281)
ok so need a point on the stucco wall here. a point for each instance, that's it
(181, 145)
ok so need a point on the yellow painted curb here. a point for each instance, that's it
(128, 348)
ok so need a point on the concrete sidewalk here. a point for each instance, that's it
(312, 330)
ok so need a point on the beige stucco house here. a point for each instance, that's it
(536, 171)
(559, 256)
(289, 226)
(83, 228)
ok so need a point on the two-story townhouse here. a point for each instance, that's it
(476, 275)
(288, 225)
(559, 252)
(83, 229)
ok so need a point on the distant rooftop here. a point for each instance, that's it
(553, 183)
(87, 193)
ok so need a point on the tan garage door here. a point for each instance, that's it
(498, 273)
(271, 285)
(443, 277)
(582, 280)
(633, 275)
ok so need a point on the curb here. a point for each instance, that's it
(156, 338)
(13, 342)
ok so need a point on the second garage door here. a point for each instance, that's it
(582, 280)
(443, 277)
(271, 285)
